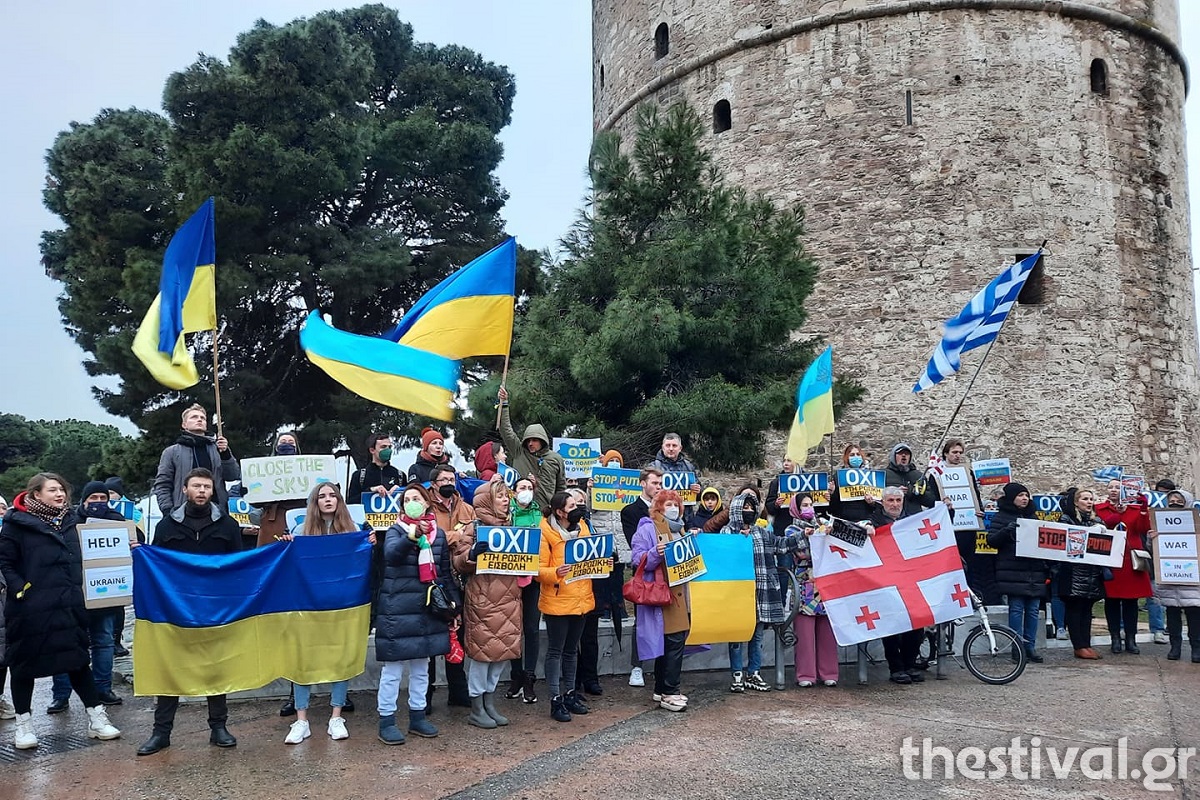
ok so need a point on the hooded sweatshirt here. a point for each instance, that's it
(700, 517)
(910, 478)
(543, 463)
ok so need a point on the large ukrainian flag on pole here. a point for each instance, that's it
(217, 624)
(186, 303)
(470, 313)
(814, 408)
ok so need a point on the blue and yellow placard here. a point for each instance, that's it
(681, 482)
(511, 551)
(510, 475)
(855, 484)
(684, 560)
(613, 489)
(589, 557)
(811, 483)
(239, 509)
(382, 512)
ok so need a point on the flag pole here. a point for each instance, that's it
(217, 383)
(503, 381)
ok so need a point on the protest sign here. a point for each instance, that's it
(511, 551)
(681, 482)
(382, 512)
(1046, 507)
(579, 455)
(1157, 499)
(981, 544)
(855, 484)
(684, 560)
(129, 510)
(285, 477)
(1176, 554)
(107, 564)
(240, 510)
(613, 489)
(813, 483)
(1054, 541)
(992, 472)
(590, 557)
(958, 489)
(509, 475)
(1132, 487)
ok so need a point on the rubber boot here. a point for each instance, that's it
(489, 705)
(1174, 632)
(419, 726)
(388, 732)
(479, 717)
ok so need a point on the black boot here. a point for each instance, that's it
(1174, 632)
(530, 695)
(221, 737)
(558, 709)
(289, 705)
(1116, 641)
(1131, 644)
(516, 686)
(156, 742)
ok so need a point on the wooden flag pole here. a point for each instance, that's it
(217, 383)
(503, 382)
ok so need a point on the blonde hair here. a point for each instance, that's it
(314, 523)
(193, 407)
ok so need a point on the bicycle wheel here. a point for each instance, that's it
(791, 595)
(998, 666)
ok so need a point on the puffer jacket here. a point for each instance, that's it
(1084, 581)
(491, 608)
(403, 629)
(488, 510)
(47, 630)
(1015, 575)
(545, 465)
(560, 599)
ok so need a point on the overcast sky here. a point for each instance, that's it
(65, 60)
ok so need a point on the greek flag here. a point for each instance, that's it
(978, 322)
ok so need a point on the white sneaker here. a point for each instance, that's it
(98, 725)
(23, 736)
(337, 729)
(659, 697)
(1062, 634)
(6, 708)
(298, 732)
(673, 702)
(1160, 637)
(636, 678)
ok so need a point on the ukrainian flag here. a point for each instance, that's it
(217, 624)
(391, 374)
(722, 599)
(186, 303)
(470, 313)
(814, 408)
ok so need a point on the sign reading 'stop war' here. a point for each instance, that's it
(285, 477)
(815, 484)
(613, 489)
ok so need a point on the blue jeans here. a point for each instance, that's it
(1154, 610)
(754, 661)
(337, 694)
(1023, 618)
(1058, 609)
(101, 624)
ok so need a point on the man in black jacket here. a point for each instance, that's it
(918, 492)
(196, 527)
(379, 476)
(901, 649)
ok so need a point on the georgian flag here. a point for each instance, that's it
(907, 576)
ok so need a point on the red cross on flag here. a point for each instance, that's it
(908, 575)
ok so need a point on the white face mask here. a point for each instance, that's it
(525, 497)
(614, 464)
(671, 512)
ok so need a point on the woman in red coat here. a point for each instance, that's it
(1121, 594)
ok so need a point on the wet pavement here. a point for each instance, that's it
(842, 742)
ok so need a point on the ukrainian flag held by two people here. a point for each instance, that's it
(814, 408)
(415, 366)
(186, 303)
(208, 625)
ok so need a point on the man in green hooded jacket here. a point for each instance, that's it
(531, 455)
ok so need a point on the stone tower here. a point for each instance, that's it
(930, 142)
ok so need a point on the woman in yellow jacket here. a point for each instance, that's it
(562, 604)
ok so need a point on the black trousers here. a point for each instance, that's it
(1118, 610)
(669, 666)
(81, 682)
(164, 712)
(902, 649)
(589, 650)
(531, 627)
(1079, 620)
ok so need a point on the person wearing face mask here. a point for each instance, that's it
(662, 630)
(1179, 600)
(380, 475)
(1127, 585)
(1080, 585)
(194, 449)
(610, 604)
(816, 653)
(631, 517)
(273, 522)
(532, 455)
(456, 517)
(526, 513)
(45, 618)
(406, 635)
(858, 510)
(562, 604)
(745, 658)
(1022, 580)
(433, 454)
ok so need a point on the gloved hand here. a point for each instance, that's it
(479, 548)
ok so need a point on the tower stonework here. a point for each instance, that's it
(930, 142)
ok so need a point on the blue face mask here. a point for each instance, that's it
(95, 509)
(855, 461)
(286, 450)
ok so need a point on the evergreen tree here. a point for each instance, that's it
(673, 310)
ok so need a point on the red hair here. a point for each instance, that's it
(660, 501)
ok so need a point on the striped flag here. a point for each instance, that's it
(978, 323)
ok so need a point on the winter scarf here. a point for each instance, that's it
(46, 513)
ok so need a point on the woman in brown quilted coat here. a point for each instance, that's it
(491, 609)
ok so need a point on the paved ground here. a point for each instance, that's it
(837, 743)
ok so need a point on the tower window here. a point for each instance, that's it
(1033, 293)
(662, 40)
(908, 107)
(1099, 77)
(722, 117)
(601, 76)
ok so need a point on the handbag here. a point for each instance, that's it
(1141, 560)
(643, 592)
(440, 603)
